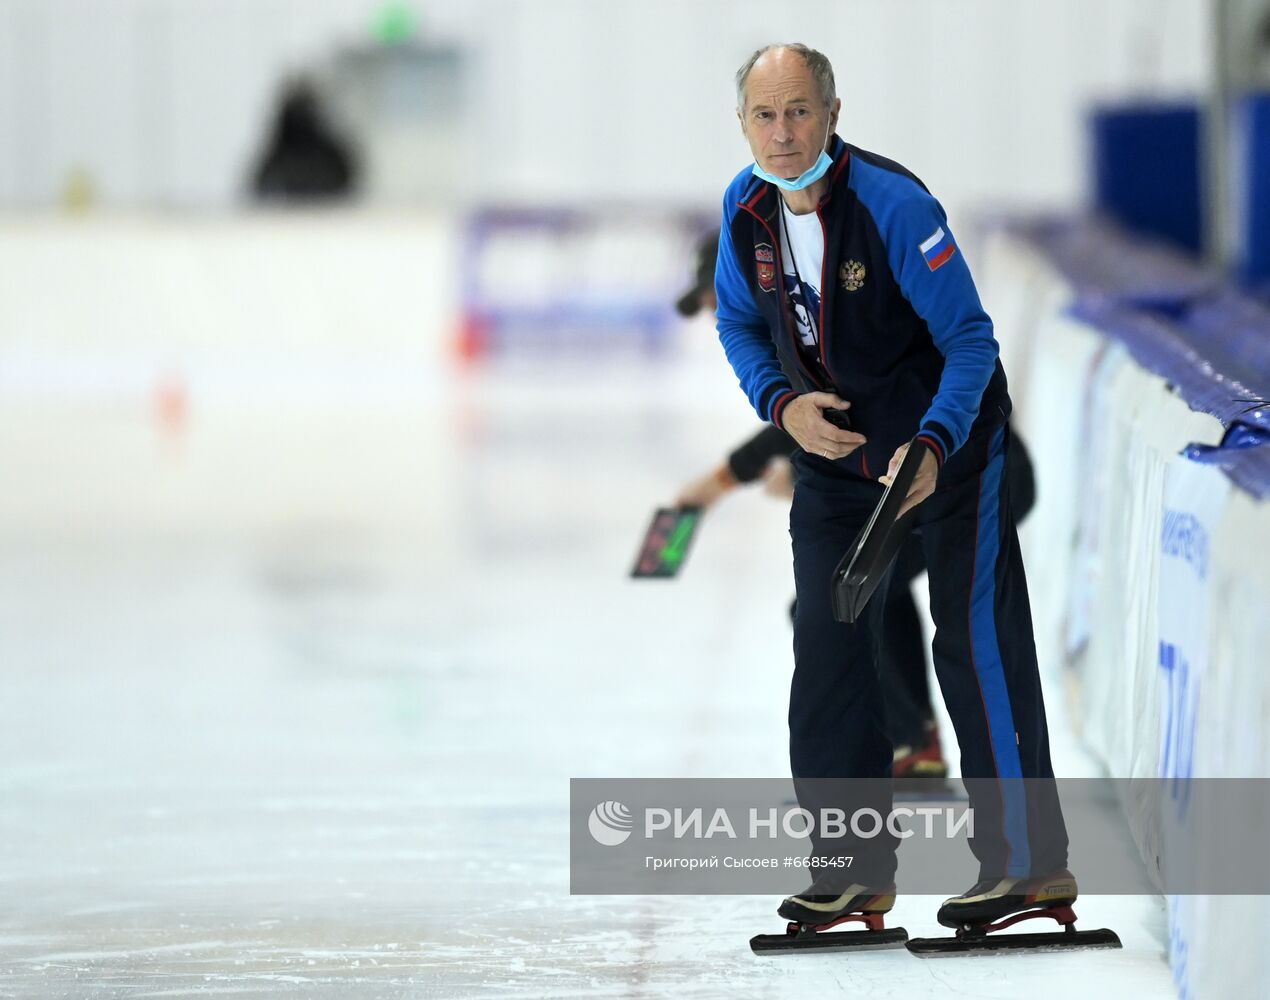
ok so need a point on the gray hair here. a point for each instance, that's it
(817, 62)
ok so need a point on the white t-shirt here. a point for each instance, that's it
(805, 237)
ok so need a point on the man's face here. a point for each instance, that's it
(785, 119)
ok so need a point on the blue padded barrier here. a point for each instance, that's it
(1100, 259)
(1208, 341)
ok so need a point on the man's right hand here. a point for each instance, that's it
(805, 423)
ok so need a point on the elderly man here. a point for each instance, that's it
(840, 288)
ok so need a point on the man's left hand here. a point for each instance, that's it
(923, 483)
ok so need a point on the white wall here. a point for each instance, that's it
(164, 101)
(1100, 574)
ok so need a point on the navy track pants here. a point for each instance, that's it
(984, 655)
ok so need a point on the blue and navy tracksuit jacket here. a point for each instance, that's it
(903, 336)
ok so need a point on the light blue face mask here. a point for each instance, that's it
(805, 179)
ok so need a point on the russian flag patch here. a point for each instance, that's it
(938, 249)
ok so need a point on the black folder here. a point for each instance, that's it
(875, 548)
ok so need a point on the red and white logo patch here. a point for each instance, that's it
(765, 266)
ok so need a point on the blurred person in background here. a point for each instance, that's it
(840, 288)
(304, 159)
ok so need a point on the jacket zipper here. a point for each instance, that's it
(824, 291)
(780, 290)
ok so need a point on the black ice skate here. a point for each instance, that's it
(991, 905)
(812, 912)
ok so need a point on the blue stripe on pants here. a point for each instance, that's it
(989, 668)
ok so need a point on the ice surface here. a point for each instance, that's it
(290, 706)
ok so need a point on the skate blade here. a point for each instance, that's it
(990, 944)
(773, 944)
